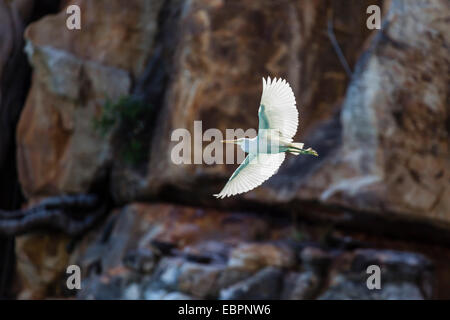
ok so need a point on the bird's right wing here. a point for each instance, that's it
(277, 111)
(253, 171)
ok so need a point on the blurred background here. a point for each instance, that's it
(86, 176)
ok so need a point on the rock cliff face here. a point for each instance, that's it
(14, 85)
(382, 178)
(386, 151)
(192, 253)
(223, 51)
(395, 135)
(75, 72)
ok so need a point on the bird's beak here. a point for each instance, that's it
(229, 141)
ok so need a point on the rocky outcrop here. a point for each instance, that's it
(395, 135)
(75, 72)
(59, 151)
(42, 260)
(382, 137)
(402, 276)
(163, 251)
(224, 49)
(187, 249)
(372, 154)
(14, 74)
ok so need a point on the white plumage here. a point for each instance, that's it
(280, 107)
(258, 168)
(278, 122)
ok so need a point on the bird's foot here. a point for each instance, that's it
(310, 151)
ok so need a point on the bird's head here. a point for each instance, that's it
(239, 141)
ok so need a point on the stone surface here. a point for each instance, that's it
(199, 280)
(142, 260)
(315, 259)
(266, 284)
(161, 245)
(59, 151)
(14, 84)
(348, 290)
(146, 251)
(112, 34)
(386, 151)
(219, 62)
(74, 73)
(300, 286)
(394, 153)
(116, 255)
(383, 145)
(254, 256)
(42, 260)
(403, 276)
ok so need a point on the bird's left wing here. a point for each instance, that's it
(253, 171)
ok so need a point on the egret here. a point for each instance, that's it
(278, 122)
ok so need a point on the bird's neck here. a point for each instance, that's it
(249, 144)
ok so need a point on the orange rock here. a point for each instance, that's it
(74, 72)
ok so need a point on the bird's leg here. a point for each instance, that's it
(296, 150)
(309, 151)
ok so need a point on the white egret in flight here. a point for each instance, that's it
(278, 122)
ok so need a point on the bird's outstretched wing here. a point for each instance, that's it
(253, 171)
(277, 110)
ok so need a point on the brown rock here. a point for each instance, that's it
(254, 256)
(265, 284)
(139, 226)
(403, 275)
(14, 72)
(199, 280)
(122, 248)
(315, 259)
(142, 260)
(224, 50)
(59, 150)
(300, 286)
(42, 261)
(74, 72)
(394, 154)
(119, 34)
